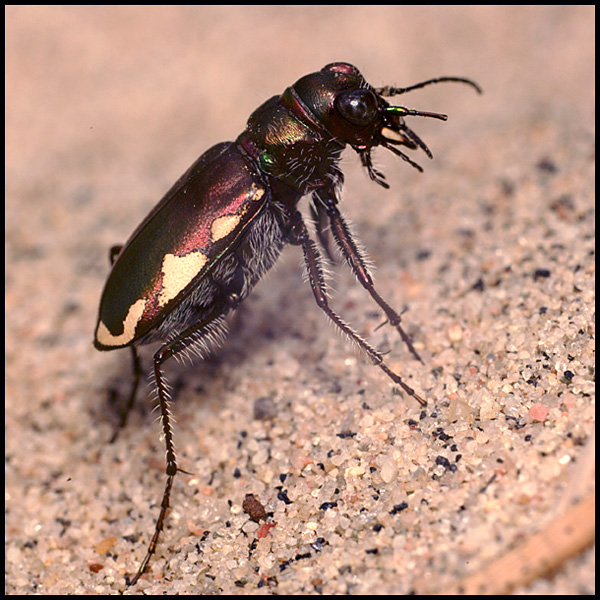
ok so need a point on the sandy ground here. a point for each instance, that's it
(491, 251)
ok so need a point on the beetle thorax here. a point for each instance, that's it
(289, 147)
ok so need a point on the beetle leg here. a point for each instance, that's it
(353, 256)
(314, 268)
(114, 252)
(137, 368)
(192, 335)
(137, 371)
(159, 526)
(321, 221)
(375, 175)
(161, 355)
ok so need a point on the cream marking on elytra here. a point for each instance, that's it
(106, 338)
(256, 192)
(177, 272)
(223, 226)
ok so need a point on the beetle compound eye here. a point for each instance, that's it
(358, 107)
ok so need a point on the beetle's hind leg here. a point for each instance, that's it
(137, 371)
(200, 335)
(137, 367)
(161, 355)
(299, 235)
(354, 258)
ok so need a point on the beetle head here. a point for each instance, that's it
(355, 113)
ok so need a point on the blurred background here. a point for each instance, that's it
(106, 106)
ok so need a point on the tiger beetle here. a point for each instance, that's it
(206, 244)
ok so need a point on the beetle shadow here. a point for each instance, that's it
(275, 310)
(274, 314)
(280, 310)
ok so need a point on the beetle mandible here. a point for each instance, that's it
(205, 245)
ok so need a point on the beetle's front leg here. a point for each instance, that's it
(299, 235)
(353, 256)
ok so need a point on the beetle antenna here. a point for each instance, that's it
(402, 111)
(389, 90)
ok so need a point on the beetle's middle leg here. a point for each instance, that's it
(312, 257)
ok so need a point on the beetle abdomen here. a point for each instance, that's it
(231, 279)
